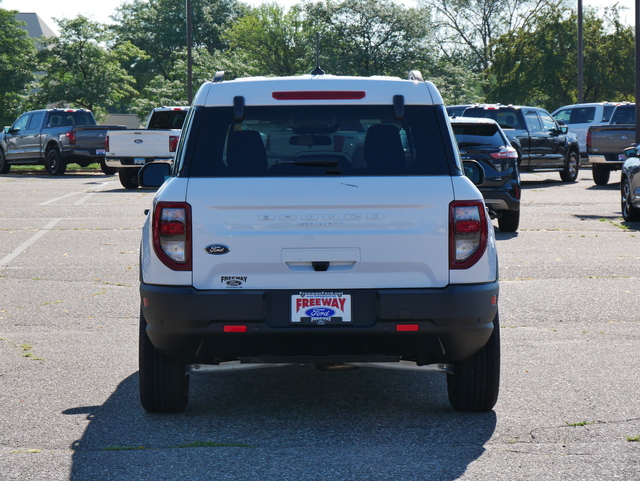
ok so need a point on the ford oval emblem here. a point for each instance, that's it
(138, 141)
(234, 283)
(216, 249)
(320, 312)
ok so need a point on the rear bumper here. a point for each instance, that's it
(133, 162)
(188, 325)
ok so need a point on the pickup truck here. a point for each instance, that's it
(606, 142)
(54, 138)
(542, 144)
(127, 151)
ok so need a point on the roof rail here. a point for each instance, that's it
(219, 75)
(416, 75)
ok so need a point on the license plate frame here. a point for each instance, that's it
(138, 161)
(323, 308)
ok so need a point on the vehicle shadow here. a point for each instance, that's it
(285, 423)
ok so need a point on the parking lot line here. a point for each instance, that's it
(20, 249)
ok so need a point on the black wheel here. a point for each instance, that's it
(106, 170)
(164, 385)
(509, 220)
(601, 174)
(475, 382)
(4, 165)
(571, 168)
(53, 162)
(129, 178)
(629, 212)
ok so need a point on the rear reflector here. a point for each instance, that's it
(407, 327)
(235, 328)
(320, 95)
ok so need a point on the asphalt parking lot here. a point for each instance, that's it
(569, 406)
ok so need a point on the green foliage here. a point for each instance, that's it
(84, 69)
(537, 65)
(17, 66)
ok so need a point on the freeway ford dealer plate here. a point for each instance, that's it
(321, 308)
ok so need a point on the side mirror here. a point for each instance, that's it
(154, 174)
(474, 171)
(630, 152)
(564, 129)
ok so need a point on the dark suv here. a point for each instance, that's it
(483, 140)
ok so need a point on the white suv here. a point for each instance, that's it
(322, 220)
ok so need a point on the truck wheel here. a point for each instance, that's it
(475, 382)
(53, 162)
(164, 385)
(129, 178)
(629, 212)
(4, 165)
(509, 220)
(601, 174)
(571, 168)
(106, 170)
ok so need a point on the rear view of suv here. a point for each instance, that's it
(318, 220)
(483, 140)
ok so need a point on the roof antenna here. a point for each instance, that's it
(317, 70)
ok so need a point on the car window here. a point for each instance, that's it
(22, 122)
(548, 124)
(582, 115)
(36, 121)
(564, 115)
(167, 119)
(532, 120)
(506, 118)
(298, 141)
(625, 114)
(607, 110)
(478, 134)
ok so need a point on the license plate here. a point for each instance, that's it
(622, 157)
(321, 308)
(138, 160)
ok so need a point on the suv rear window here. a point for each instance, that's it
(68, 119)
(478, 134)
(299, 141)
(167, 119)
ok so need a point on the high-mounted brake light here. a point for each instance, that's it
(467, 233)
(320, 95)
(172, 234)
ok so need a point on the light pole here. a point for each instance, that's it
(190, 56)
(637, 66)
(580, 54)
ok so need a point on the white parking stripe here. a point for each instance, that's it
(59, 198)
(20, 249)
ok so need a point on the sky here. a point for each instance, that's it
(101, 10)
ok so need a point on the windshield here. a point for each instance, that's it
(317, 141)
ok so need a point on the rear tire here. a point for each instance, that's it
(601, 174)
(106, 170)
(164, 385)
(129, 178)
(4, 165)
(475, 382)
(509, 220)
(571, 168)
(53, 162)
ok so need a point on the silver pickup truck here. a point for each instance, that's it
(606, 143)
(128, 150)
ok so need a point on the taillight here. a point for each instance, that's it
(505, 153)
(172, 234)
(173, 142)
(467, 233)
(106, 143)
(588, 140)
(71, 137)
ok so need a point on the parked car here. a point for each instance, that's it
(542, 144)
(579, 117)
(54, 138)
(606, 142)
(483, 140)
(630, 185)
(308, 252)
(128, 150)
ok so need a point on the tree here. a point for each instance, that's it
(158, 27)
(17, 64)
(537, 65)
(271, 41)
(372, 37)
(84, 68)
